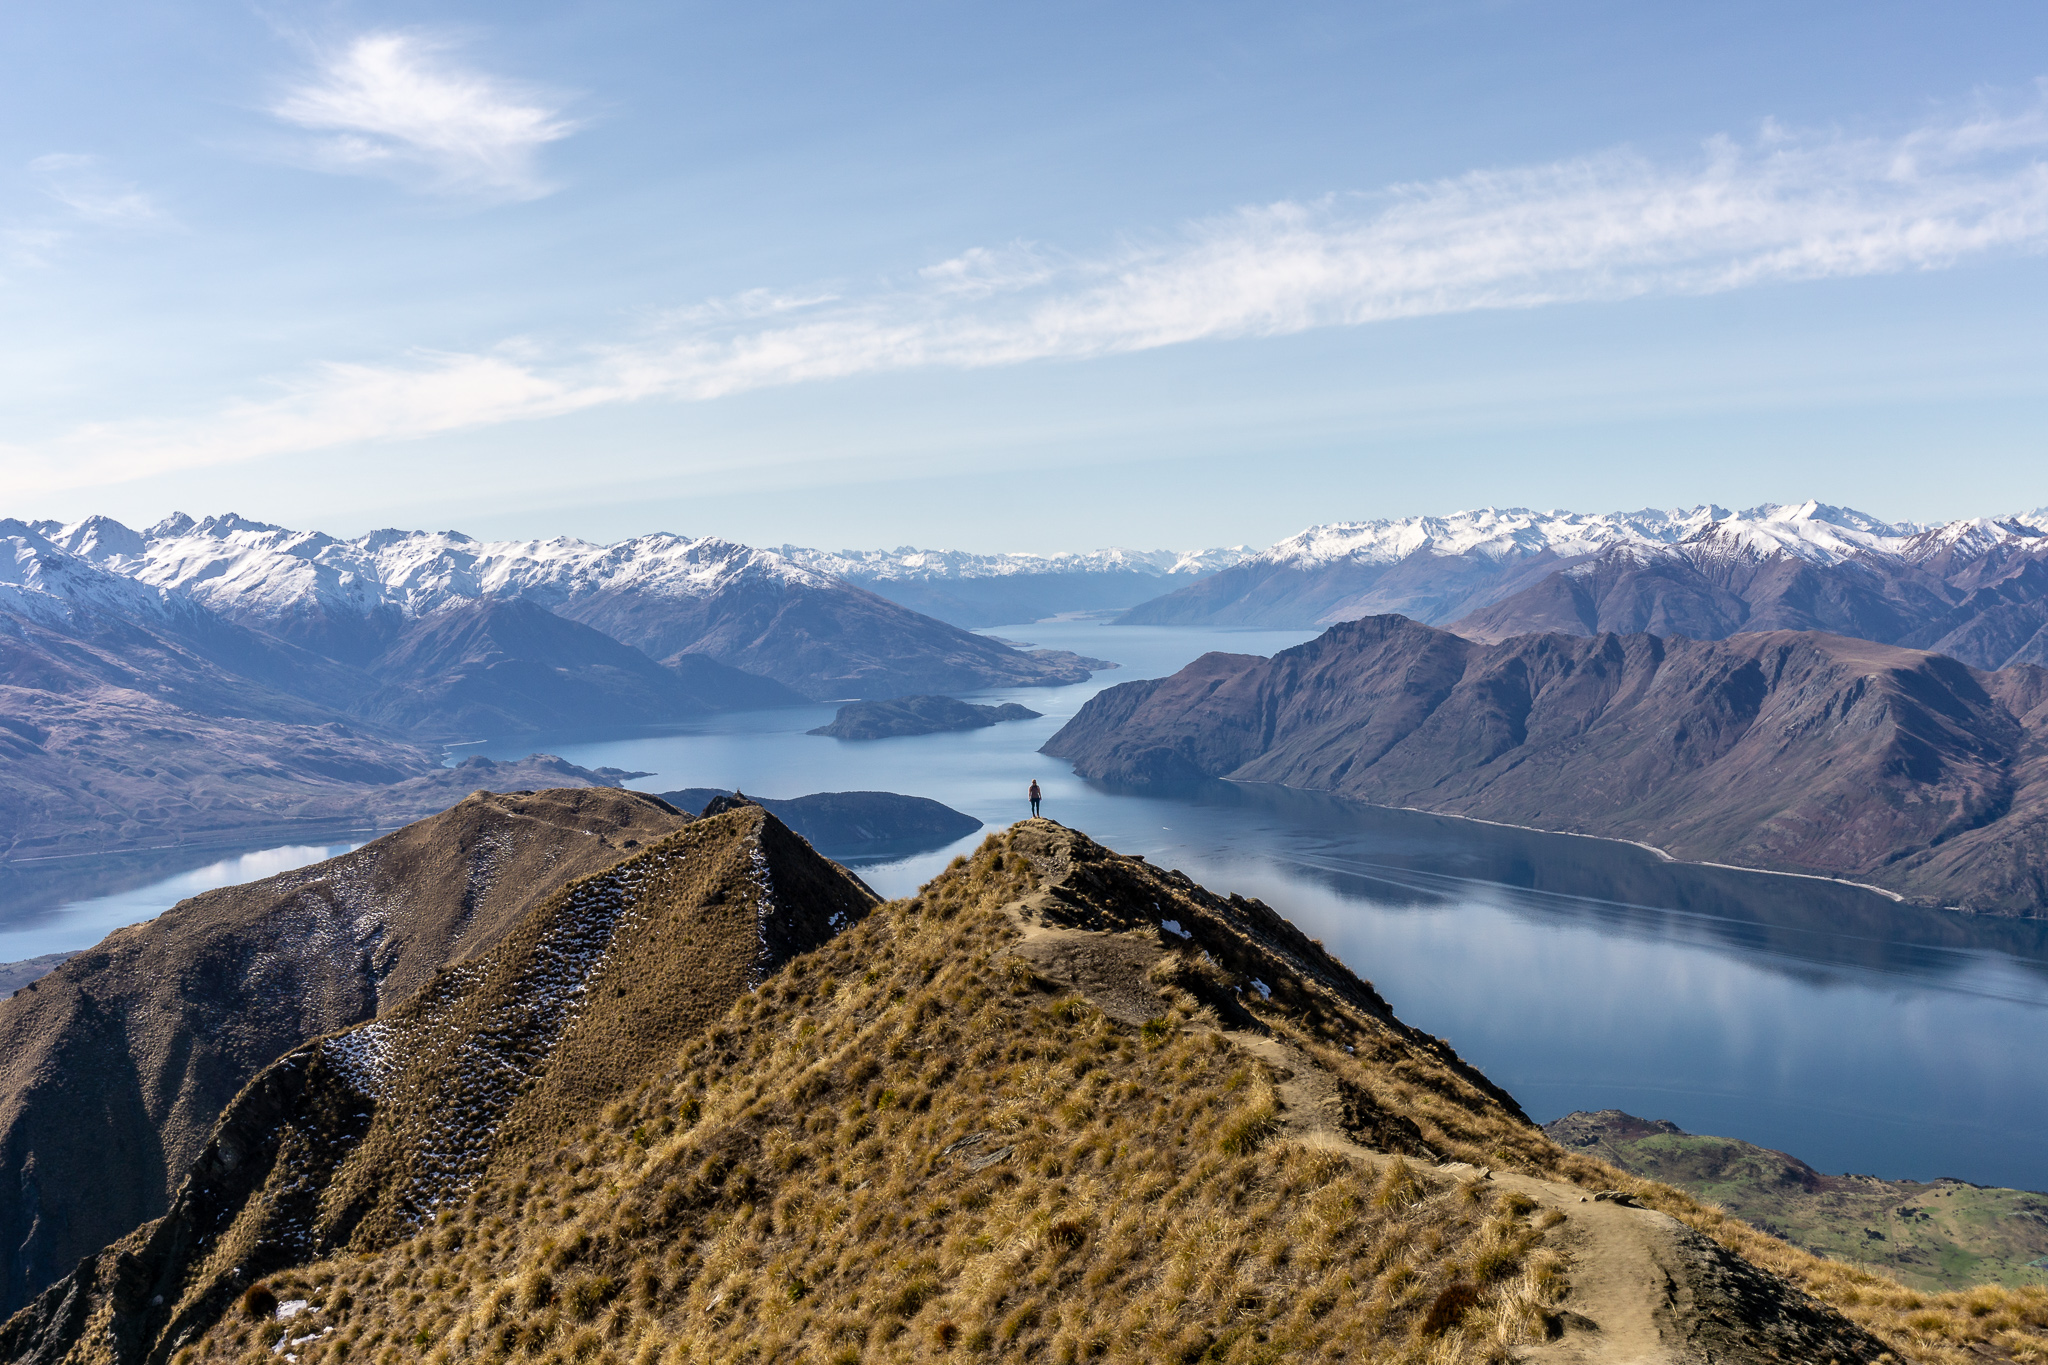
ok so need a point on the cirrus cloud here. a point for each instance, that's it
(1781, 208)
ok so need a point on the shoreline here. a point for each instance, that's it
(1662, 856)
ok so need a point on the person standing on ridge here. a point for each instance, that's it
(1034, 798)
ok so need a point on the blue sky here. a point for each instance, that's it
(1028, 277)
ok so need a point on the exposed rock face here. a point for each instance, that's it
(1792, 751)
(117, 1064)
(852, 824)
(902, 716)
(355, 1139)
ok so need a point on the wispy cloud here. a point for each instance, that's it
(78, 195)
(83, 185)
(1780, 208)
(395, 104)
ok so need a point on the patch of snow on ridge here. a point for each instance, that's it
(44, 582)
(1812, 531)
(363, 1057)
(764, 889)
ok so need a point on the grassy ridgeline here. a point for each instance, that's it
(915, 1143)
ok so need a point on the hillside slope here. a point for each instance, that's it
(1059, 1105)
(114, 1067)
(1974, 589)
(1791, 751)
(1977, 592)
(497, 667)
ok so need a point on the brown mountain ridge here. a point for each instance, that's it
(118, 1063)
(1791, 751)
(712, 1103)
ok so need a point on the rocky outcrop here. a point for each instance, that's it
(1790, 751)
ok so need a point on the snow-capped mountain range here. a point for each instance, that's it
(264, 574)
(908, 562)
(1437, 568)
(1976, 588)
(1813, 531)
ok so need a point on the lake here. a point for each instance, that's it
(1810, 1016)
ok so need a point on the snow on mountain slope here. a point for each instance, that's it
(1488, 532)
(666, 595)
(908, 562)
(40, 580)
(1441, 569)
(265, 574)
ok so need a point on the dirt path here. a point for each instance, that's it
(1645, 1289)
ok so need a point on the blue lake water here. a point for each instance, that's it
(1826, 1021)
(1805, 1015)
(44, 919)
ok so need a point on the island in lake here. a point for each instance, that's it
(901, 716)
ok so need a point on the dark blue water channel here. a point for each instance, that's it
(1814, 1017)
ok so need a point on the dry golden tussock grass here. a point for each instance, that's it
(903, 1148)
(907, 1147)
